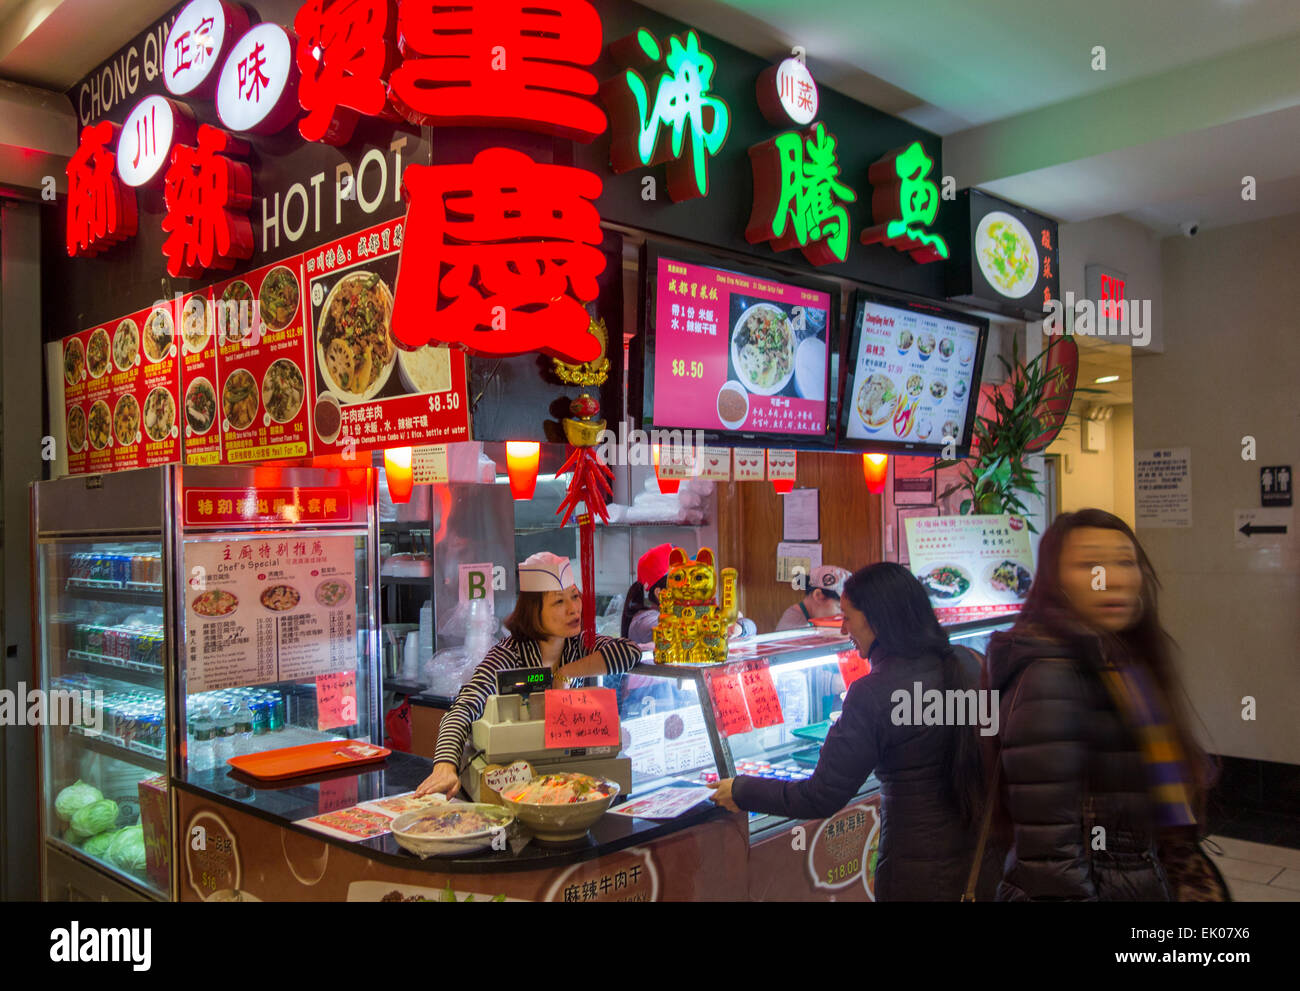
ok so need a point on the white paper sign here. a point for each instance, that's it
(476, 583)
(258, 610)
(781, 465)
(790, 557)
(750, 464)
(716, 464)
(429, 465)
(799, 509)
(1162, 483)
(518, 773)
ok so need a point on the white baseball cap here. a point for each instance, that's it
(545, 572)
(828, 578)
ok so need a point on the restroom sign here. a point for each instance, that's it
(1275, 484)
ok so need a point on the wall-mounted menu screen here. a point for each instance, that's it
(914, 373)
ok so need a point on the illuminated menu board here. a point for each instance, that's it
(914, 373)
(737, 353)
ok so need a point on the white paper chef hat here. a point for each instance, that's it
(828, 578)
(545, 572)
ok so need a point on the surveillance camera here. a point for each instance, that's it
(1190, 228)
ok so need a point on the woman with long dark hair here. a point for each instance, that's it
(1102, 778)
(931, 774)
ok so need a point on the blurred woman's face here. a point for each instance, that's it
(856, 628)
(562, 612)
(1101, 577)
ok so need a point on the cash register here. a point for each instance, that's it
(512, 728)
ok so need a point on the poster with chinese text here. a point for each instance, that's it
(972, 567)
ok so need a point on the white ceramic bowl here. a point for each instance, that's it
(561, 823)
(810, 369)
(449, 846)
(773, 389)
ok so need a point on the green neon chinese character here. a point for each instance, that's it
(809, 199)
(915, 209)
(681, 98)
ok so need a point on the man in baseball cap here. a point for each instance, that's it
(821, 598)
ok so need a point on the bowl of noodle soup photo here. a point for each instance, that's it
(762, 349)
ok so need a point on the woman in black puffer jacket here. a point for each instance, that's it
(1100, 776)
(931, 775)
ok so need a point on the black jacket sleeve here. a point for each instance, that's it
(1044, 759)
(847, 759)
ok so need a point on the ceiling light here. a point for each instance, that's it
(1106, 378)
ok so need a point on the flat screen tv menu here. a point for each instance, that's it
(913, 375)
(738, 353)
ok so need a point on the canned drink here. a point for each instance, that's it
(261, 717)
(277, 712)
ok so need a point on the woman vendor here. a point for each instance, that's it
(545, 632)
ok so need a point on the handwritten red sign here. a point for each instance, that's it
(728, 696)
(584, 717)
(336, 699)
(760, 694)
(852, 666)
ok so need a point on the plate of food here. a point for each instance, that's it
(99, 424)
(76, 430)
(282, 390)
(905, 339)
(560, 806)
(877, 399)
(159, 333)
(925, 346)
(1009, 579)
(74, 362)
(196, 323)
(946, 583)
(280, 598)
(239, 399)
(427, 369)
(236, 313)
(278, 298)
(126, 421)
(451, 829)
(215, 602)
(200, 406)
(126, 345)
(733, 405)
(159, 414)
(354, 342)
(332, 592)
(1006, 254)
(97, 353)
(762, 349)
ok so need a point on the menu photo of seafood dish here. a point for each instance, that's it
(946, 583)
(97, 353)
(355, 351)
(278, 298)
(159, 334)
(126, 345)
(239, 399)
(160, 414)
(1009, 579)
(99, 424)
(126, 421)
(200, 407)
(282, 390)
(280, 598)
(74, 361)
(76, 430)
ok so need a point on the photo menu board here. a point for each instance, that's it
(737, 353)
(913, 377)
(972, 567)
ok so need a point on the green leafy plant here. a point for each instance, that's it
(996, 476)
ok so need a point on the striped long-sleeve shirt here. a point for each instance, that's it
(453, 731)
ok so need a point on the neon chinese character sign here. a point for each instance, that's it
(197, 44)
(145, 146)
(515, 243)
(258, 87)
(513, 64)
(798, 196)
(681, 101)
(101, 211)
(345, 52)
(903, 203)
(787, 93)
(207, 195)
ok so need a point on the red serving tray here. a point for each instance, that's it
(291, 762)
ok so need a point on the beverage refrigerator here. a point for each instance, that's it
(186, 615)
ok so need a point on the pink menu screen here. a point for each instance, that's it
(735, 352)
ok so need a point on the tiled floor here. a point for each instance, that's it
(1257, 872)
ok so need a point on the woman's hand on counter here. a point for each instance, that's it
(445, 780)
(722, 794)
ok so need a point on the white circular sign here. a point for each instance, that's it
(258, 88)
(1006, 254)
(797, 91)
(145, 144)
(195, 45)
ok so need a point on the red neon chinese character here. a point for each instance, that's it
(344, 55)
(250, 73)
(513, 63)
(207, 196)
(202, 50)
(508, 295)
(101, 210)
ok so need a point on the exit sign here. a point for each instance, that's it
(1106, 288)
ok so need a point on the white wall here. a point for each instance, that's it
(1122, 245)
(1230, 369)
(1098, 479)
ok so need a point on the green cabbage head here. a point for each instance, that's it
(74, 797)
(94, 818)
(97, 845)
(127, 849)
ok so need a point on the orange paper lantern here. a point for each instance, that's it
(667, 486)
(875, 468)
(522, 457)
(783, 485)
(397, 469)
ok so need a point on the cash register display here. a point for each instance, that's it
(523, 681)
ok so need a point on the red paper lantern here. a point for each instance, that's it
(397, 469)
(522, 457)
(875, 468)
(667, 486)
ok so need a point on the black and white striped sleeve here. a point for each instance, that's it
(620, 654)
(454, 729)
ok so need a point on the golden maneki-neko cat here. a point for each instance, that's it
(693, 625)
